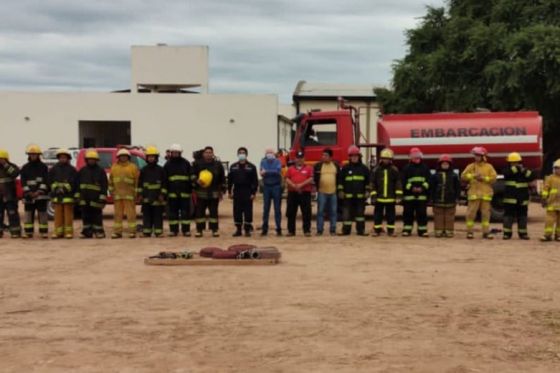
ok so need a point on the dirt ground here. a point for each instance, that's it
(344, 304)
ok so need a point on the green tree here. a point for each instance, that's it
(491, 54)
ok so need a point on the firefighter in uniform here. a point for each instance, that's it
(209, 187)
(551, 202)
(92, 195)
(386, 192)
(123, 182)
(416, 177)
(480, 175)
(243, 184)
(34, 176)
(445, 189)
(179, 188)
(62, 182)
(152, 191)
(8, 197)
(516, 196)
(353, 187)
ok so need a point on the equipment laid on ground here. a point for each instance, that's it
(240, 254)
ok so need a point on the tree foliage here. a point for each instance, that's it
(491, 54)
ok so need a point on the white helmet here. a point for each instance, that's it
(176, 148)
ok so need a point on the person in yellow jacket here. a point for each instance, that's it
(123, 184)
(551, 202)
(480, 175)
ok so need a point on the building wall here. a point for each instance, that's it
(223, 121)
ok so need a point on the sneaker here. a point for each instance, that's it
(116, 235)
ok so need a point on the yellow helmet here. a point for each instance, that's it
(556, 163)
(4, 154)
(514, 157)
(123, 151)
(33, 149)
(205, 177)
(151, 150)
(387, 153)
(91, 154)
(63, 151)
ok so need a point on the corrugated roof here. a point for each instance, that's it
(306, 89)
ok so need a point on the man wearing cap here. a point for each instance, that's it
(480, 175)
(92, 195)
(271, 173)
(123, 184)
(243, 184)
(34, 179)
(299, 179)
(325, 176)
(8, 197)
(62, 181)
(415, 178)
(179, 180)
(208, 194)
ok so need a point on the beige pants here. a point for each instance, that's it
(552, 219)
(473, 207)
(123, 207)
(444, 219)
(63, 219)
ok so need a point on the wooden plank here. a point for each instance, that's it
(210, 262)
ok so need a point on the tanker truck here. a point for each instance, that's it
(435, 134)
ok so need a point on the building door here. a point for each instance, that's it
(103, 134)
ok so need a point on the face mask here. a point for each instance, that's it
(242, 157)
(270, 156)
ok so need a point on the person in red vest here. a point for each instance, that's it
(299, 179)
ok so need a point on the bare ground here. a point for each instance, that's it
(357, 304)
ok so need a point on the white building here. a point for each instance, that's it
(168, 102)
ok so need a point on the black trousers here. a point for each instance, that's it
(152, 219)
(415, 210)
(243, 210)
(38, 206)
(179, 214)
(92, 220)
(11, 208)
(353, 210)
(387, 211)
(514, 213)
(303, 202)
(210, 204)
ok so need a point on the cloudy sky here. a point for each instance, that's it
(257, 46)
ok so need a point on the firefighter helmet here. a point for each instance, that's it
(33, 149)
(386, 153)
(176, 148)
(4, 154)
(416, 153)
(205, 177)
(556, 163)
(123, 151)
(152, 150)
(445, 158)
(63, 151)
(91, 154)
(353, 150)
(479, 150)
(514, 157)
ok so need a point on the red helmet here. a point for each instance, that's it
(445, 158)
(416, 153)
(479, 150)
(353, 150)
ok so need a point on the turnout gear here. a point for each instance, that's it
(480, 176)
(551, 202)
(415, 179)
(243, 184)
(152, 190)
(353, 188)
(62, 181)
(8, 197)
(516, 197)
(123, 184)
(179, 180)
(386, 190)
(208, 197)
(91, 196)
(34, 181)
(445, 189)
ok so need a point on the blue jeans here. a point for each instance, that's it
(272, 193)
(324, 200)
